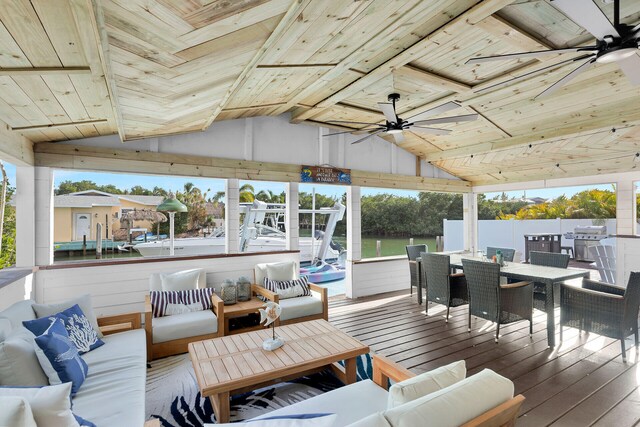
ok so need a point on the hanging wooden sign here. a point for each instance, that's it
(325, 174)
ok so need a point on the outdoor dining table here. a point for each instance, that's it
(525, 272)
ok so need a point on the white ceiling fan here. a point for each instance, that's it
(418, 123)
(616, 42)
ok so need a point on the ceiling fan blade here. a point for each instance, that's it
(346, 121)
(533, 73)
(430, 131)
(368, 136)
(533, 54)
(354, 131)
(448, 106)
(631, 68)
(453, 119)
(566, 79)
(588, 15)
(389, 111)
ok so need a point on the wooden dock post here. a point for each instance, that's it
(378, 248)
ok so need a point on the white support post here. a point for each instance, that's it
(354, 249)
(470, 221)
(292, 217)
(625, 207)
(26, 216)
(44, 215)
(232, 216)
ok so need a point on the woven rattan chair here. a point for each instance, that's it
(413, 252)
(548, 259)
(602, 309)
(442, 286)
(507, 253)
(490, 300)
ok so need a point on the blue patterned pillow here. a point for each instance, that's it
(59, 357)
(78, 327)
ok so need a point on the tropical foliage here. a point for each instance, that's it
(588, 204)
(8, 253)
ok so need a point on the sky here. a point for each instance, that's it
(126, 181)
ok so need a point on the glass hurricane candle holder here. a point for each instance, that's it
(243, 289)
(229, 292)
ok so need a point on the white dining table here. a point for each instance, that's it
(548, 276)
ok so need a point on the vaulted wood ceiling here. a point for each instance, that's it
(76, 68)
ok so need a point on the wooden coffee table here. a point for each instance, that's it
(237, 363)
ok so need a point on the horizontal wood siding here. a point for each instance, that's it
(378, 277)
(17, 290)
(117, 289)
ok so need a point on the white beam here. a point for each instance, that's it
(292, 218)
(354, 249)
(470, 221)
(232, 216)
(25, 200)
(625, 207)
(15, 148)
(44, 215)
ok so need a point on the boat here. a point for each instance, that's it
(262, 230)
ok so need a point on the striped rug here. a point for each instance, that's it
(173, 396)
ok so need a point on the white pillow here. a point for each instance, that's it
(454, 405)
(18, 362)
(84, 301)
(282, 271)
(50, 405)
(16, 411)
(181, 280)
(319, 420)
(423, 384)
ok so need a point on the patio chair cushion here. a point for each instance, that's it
(276, 271)
(293, 308)
(16, 411)
(84, 301)
(428, 382)
(347, 402)
(155, 279)
(456, 404)
(50, 405)
(180, 280)
(185, 325)
(18, 361)
(288, 288)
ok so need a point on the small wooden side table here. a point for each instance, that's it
(241, 309)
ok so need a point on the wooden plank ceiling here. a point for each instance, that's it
(143, 68)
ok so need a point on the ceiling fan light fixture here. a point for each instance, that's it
(616, 55)
(394, 131)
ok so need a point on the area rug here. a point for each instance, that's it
(173, 397)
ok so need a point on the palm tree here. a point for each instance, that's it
(247, 193)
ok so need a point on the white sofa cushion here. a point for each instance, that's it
(296, 420)
(281, 271)
(454, 405)
(351, 403)
(50, 405)
(373, 420)
(113, 394)
(16, 411)
(423, 384)
(185, 325)
(19, 365)
(84, 301)
(181, 280)
(16, 313)
(293, 308)
(155, 280)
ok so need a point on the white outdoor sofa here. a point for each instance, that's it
(113, 394)
(481, 400)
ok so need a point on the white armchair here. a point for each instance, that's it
(299, 309)
(171, 335)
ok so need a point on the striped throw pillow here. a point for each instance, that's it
(288, 288)
(190, 298)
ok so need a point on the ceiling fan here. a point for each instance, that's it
(418, 123)
(616, 42)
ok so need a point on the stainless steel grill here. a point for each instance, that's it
(585, 237)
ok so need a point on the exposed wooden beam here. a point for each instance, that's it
(14, 147)
(533, 137)
(43, 71)
(418, 166)
(91, 27)
(470, 17)
(252, 107)
(292, 14)
(59, 125)
(276, 66)
(132, 161)
(431, 79)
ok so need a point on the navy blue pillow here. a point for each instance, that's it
(83, 422)
(59, 357)
(77, 324)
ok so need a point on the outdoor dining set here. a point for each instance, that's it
(509, 291)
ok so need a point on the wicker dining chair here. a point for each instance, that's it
(548, 259)
(413, 252)
(507, 253)
(602, 308)
(490, 300)
(442, 286)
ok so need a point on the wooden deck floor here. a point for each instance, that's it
(583, 383)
